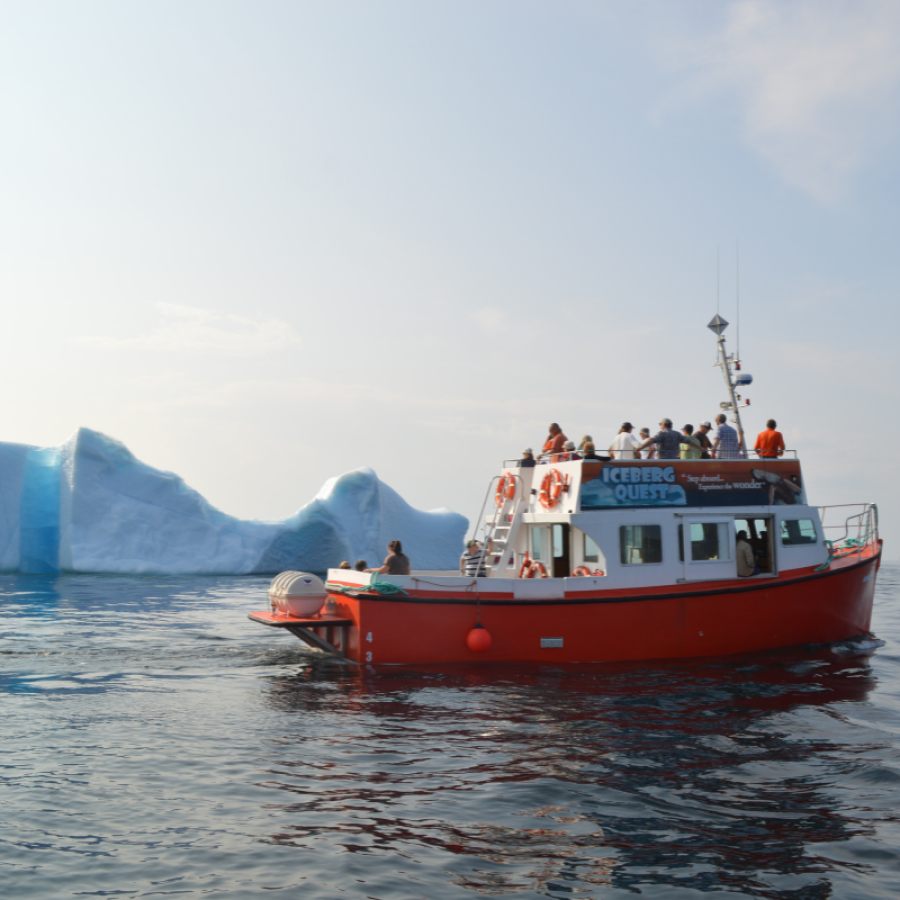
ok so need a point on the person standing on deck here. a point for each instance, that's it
(691, 448)
(471, 563)
(667, 442)
(647, 454)
(702, 435)
(770, 443)
(626, 444)
(727, 444)
(554, 444)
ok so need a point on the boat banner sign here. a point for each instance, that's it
(726, 482)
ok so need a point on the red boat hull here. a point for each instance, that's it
(709, 619)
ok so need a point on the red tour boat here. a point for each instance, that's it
(595, 561)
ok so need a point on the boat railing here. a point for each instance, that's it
(750, 456)
(857, 534)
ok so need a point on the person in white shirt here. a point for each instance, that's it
(650, 452)
(625, 444)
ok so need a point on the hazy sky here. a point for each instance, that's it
(263, 243)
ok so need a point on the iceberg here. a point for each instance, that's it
(90, 505)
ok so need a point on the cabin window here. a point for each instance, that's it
(640, 544)
(709, 542)
(798, 531)
(537, 540)
(591, 551)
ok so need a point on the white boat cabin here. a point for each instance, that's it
(639, 523)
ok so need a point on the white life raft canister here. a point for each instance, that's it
(298, 593)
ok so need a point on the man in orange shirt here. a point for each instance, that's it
(770, 443)
(554, 444)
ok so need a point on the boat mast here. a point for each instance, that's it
(726, 361)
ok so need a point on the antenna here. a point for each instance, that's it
(737, 278)
(717, 279)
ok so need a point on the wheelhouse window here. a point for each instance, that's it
(640, 544)
(591, 550)
(798, 531)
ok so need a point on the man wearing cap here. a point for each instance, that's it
(625, 444)
(471, 563)
(527, 460)
(668, 442)
(702, 436)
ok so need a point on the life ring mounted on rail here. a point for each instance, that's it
(506, 489)
(552, 488)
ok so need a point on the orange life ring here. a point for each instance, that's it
(506, 489)
(538, 569)
(581, 571)
(526, 567)
(551, 489)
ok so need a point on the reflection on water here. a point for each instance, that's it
(155, 742)
(548, 779)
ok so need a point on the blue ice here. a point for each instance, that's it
(90, 505)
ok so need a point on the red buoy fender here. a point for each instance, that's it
(479, 639)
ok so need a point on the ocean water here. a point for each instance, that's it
(156, 743)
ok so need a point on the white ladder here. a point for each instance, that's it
(501, 530)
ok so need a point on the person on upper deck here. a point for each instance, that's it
(527, 461)
(702, 435)
(588, 452)
(690, 446)
(395, 563)
(625, 444)
(770, 443)
(587, 438)
(727, 444)
(666, 441)
(569, 452)
(360, 565)
(554, 444)
(650, 453)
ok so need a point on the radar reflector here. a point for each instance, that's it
(718, 324)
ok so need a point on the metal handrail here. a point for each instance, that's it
(794, 454)
(865, 527)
